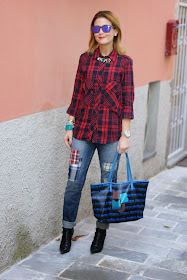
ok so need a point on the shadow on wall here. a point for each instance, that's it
(24, 244)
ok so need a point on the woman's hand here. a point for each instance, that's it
(68, 138)
(123, 144)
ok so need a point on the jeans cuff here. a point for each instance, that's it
(67, 224)
(102, 225)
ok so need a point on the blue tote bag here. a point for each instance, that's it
(119, 202)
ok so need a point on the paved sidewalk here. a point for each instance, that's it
(151, 248)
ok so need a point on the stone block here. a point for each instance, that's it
(153, 203)
(137, 277)
(121, 265)
(16, 273)
(52, 247)
(182, 179)
(150, 213)
(173, 212)
(177, 254)
(144, 247)
(46, 263)
(151, 195)
(160, 242)
(92, 259)
(156, 223)
(159, 234)
(19, 273)
(167, 199)
(163, 274)
(178, 207)
(114, 241)
(80, 271)
(177, 185)
(182, 239)
(154, 259)
(149, 206)
(183, 194)
(181, 228)
(128, 236)
(170, 217)
(129, 226)
(132, 255)
(173, 265)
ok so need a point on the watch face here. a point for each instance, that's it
(127, 133)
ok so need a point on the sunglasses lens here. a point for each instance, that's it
(106, 28)
(95, 29)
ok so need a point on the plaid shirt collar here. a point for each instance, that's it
(97, 54)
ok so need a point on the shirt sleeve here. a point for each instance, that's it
(77, 92)
(128, 90)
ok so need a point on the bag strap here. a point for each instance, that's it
(129, 174)
(113, 166)
(112, 169)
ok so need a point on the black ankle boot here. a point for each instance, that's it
(65, 244)
(98, 242)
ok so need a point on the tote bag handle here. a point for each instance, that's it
(129, 174)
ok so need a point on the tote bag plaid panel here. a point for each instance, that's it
(119, 202)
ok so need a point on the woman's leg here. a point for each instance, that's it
(80, 158)
(81, 155)
(107, 153)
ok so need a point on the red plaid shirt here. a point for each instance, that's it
(103, 96)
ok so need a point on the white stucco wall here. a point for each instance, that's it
(34, 168)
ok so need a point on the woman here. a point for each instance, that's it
(99, 117)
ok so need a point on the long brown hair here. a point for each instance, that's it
(117, 39)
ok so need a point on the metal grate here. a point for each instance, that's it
(179, 94)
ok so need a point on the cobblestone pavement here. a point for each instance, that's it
(151, 248)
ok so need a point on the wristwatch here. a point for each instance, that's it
(126, 133)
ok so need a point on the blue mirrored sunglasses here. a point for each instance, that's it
(105, 28)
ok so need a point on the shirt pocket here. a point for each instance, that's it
(112, 96)
(88, 97)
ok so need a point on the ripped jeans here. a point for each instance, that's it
(81, 155)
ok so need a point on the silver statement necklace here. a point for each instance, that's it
(108, 60)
